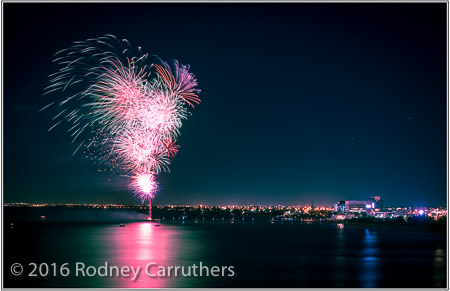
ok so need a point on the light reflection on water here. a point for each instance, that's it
(138, 244)
(369, 260)
(264, 254)
(366, 259)
(340, 260)
(438, 264)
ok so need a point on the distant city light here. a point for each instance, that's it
(351, 210)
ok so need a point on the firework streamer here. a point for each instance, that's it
(124, 107)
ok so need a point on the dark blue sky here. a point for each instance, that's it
(300, 102)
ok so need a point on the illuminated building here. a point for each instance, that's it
(378, 202)
(357, 206)
(340, 206)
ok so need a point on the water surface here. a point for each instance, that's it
(263, 254)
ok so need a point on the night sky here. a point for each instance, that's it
(300, 102)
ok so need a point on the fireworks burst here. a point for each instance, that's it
(124, 108)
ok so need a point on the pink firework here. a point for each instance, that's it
(145, 185)
(126, 109)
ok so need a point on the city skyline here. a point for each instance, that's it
(350, 211)
(314, 103)
(248, 204)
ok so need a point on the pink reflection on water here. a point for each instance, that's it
(138, 244)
